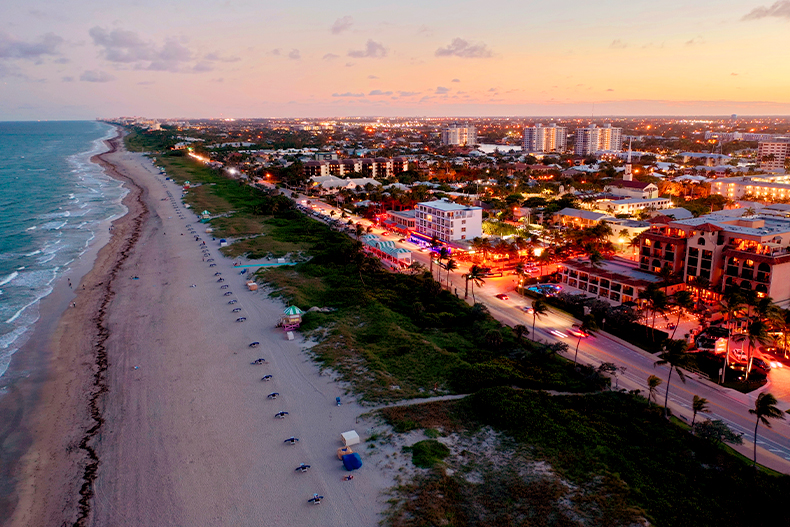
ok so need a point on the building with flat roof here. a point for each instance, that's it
(459, 135)
(403, 221)
(594, 139)
(632, 189)
(332, 184)
(633, 205)
(754, 187)
(578, 218)
(448, 221)
(386, 251)
(539, 138)
(772, 154)
(377, 168)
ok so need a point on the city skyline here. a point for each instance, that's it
(240, 59)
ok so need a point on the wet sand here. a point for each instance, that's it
(177, 430)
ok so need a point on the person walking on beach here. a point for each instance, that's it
(348, 478)
(69, 281)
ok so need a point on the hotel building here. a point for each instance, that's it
(757, 187)
(379, 167)
(459, 135)
(772, 154)
(448, 221)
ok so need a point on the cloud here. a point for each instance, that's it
(734, 74)
(216, 57)
(372, 49)
(127, 47)
(618, 44)
(456, 80)
(461, 48)
(372, 77)
(777, 10)
(348, 94)
(379, 92)
(442, 89)
(96, 76)
(425, 31)
(341, 24)
(67, 79)
(408, 93)
(11, 48)
(330, 56)
(695, 41)
(276, 51)
(202, 67)
(294, 54)
(609, 89)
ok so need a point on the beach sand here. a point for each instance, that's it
(181, 429)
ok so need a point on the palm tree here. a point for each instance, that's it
(520, 330)
(543, 258)
(416, 267)
(698, 404)
(475, 275)
(596, 260)
(676, 356)
(653, 382)
(684, 302)
(765, 409)
(539, 308)
(666, 276)
(359, 230)
(730, 305)
(588, 326)
(655, 302)
(756, 333)
(450, 266)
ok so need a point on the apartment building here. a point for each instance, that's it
(377, 168)
(772, 154)
(755, 187)
(448, 221)
(459, 135)
(539, 138)
(749, 253)
(594, 139)
(633, 205)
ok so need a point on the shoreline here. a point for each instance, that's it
(51, 429)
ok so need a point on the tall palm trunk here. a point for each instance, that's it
(466, 291)
(755, 441)
(666, 396)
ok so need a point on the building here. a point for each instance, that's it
(386, 251)
(616, 281)
(632, 189)
(579, 219)
(748, 252)
(448, 221)
(772, 154)
(541, 138)
(377, 168)
(593, 139)
(459, 135)
(332, 184)
(633, 205)
(403, 221)
(754, 187)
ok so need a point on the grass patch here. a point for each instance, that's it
(427, 453)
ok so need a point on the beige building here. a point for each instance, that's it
(448, 221)
(541, 138)
(377, 168)
(594, 139)
(772, 154)
(757, 188)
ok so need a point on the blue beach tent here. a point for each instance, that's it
(352, 461)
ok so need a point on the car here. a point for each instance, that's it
(502, 296)
(401, 240)
(576, 331)
(527, 309)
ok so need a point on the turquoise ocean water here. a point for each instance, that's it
(52, 202)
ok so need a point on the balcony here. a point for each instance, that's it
(763, 278)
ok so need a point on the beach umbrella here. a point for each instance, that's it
(293, 310)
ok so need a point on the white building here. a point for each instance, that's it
(632, 189)
(633, 205)
(459, 135)
(772, 154)
(541, 138)
(593, 139)
(757, 188)
(448, 221)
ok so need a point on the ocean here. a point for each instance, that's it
(53, 200)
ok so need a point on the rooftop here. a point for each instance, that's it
(447, 206)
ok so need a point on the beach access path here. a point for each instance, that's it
(189, 436)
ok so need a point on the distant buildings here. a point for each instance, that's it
(379, 167)
(772, 154)
(593, 139)
(448, 221)
(541, 138)
(632, 189)
(756, 187)
(333, 184)
(579, 219)
(457, 135)
(633, 205)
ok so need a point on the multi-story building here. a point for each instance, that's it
(541, 138)
(448, 221)
(772, 154)
(379, 167)
(459, 135)
(403, 221)
(632, 189)
(633, 205)
(616, 281)
(755, 187)
(594, 139)
(749, 253)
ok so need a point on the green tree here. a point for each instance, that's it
(676, 356)
(359, 230)
(698, 404)
(765, 409)
(475, 275)
(717, 432)
(539, 309)
(450, 266)
(520, 330)
(653, 382)
(589, 326)
(756, 333)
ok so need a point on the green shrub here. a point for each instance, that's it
(427, 453)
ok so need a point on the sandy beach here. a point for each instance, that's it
(152, 413)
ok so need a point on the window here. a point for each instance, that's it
(463, 229)
(701, 241)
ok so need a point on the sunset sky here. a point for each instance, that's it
(257, 58)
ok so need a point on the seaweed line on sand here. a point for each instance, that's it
(102, 334)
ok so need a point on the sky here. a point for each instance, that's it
(83, 59)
